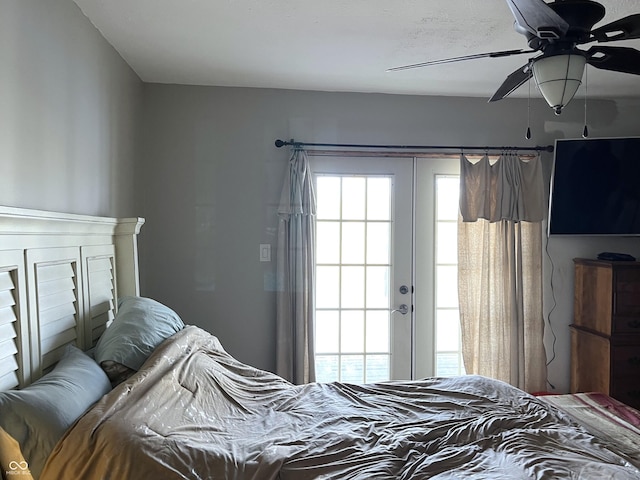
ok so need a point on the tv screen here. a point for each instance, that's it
(595, 187)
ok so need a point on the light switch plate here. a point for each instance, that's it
(265, 252)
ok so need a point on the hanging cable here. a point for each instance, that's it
(585, 131)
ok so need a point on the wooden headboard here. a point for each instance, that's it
(60, 277)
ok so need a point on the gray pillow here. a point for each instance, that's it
(140, 325)
(38, 415)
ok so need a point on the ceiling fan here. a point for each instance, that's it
(556, 29)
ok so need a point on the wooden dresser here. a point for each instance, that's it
(605, 335)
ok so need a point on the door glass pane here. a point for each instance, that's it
(352, 331)
(447, 235)
(449, 364)
(328, 198)
(377, 368)
(448, 198)
(377, 331)
(377, 287)
(352, 368)
(328, 246)
(378, 194)
(352, 283)
(378, 242)
(447, 286)
(327, 368)
(353, 242)
(327, 331)
(327, 287)
(353, 203)
(448, 328)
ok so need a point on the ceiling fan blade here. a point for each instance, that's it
(503, 53)
(536, 17)
(618, 59)
(512, 82)
(624, 29)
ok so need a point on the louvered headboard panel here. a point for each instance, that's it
(14, 343)
(98, 265)
(55, 303)
(60, 277)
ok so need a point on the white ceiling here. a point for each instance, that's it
(330, 45)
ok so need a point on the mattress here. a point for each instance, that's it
(611, 421)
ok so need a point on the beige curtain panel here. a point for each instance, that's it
(500, 270)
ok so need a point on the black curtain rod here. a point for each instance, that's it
(281, 143)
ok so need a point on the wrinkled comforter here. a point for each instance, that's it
(195, 412)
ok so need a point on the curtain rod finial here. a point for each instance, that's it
(279, 143)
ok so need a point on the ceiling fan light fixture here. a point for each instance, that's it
(558, 78)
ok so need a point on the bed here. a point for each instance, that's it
(177, 405)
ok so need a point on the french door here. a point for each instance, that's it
(363, 261)
(376, 266)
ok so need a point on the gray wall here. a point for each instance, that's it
(69, 110)
(214, 179)
(80, 133)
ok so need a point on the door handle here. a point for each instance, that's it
(403, 309)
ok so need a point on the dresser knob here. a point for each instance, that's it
(635, 361)
(634, 324)
(634, 393)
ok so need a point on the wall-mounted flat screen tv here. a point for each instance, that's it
(595, 187)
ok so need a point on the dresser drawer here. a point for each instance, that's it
(627, 292)
(626, 325)
(625, 361)
(627, 390)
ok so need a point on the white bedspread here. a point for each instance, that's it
(195, 412)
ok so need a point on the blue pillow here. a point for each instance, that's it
(140, 325)
(38, 415)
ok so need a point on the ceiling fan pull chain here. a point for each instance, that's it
(585, 131)
(528, 134)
